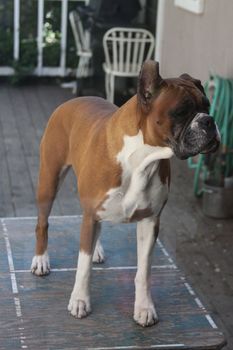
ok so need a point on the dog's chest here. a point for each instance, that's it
(141, 192)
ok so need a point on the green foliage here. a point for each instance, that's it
(27, 63)
(6, 47)
(6, 32)
(28, 37)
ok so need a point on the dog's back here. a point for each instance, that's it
(80, 114)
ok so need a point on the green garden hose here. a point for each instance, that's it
(222, 111)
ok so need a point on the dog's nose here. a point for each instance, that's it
(205, 121)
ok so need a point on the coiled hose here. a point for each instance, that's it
(222, 111)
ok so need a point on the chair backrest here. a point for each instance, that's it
(126, 48)
(78, 32)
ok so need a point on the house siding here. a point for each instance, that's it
(198, 44)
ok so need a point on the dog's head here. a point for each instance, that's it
(176, 113)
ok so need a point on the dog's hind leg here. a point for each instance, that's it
(98, 256)
(51, 175)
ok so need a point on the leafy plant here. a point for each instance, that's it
(28, 37)
(6, 32)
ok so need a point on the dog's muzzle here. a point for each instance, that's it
(201, 135)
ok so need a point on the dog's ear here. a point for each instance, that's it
(196, 82)
(149, 83)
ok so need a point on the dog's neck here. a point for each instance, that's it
(129, 119)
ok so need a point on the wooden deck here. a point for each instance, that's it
(201, 246)
(24, 113)
(40, 303)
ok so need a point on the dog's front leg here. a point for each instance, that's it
(79, 305)
(144, 310)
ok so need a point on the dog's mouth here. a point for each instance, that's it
(212, 146)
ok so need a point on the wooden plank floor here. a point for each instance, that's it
(42, 320)
(202, 246)
(23, 116)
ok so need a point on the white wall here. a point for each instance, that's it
(198, 44)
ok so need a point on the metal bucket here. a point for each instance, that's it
(218, 201)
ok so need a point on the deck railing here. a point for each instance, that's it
(41, 70)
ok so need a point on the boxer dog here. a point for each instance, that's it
(121, 159)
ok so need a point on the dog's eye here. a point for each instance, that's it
(179, 113)
(205, 103)
(183, 110)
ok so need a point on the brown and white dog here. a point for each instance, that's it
(121, 159)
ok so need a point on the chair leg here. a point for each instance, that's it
(80, 67)
(112, 88)
(79, 76)
(85, 70)
(107, 86)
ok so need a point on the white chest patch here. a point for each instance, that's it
(140, 187)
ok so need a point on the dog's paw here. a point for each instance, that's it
(145, 317)
(40, 265)
(79, 308)
(98, 256)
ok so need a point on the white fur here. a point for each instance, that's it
(98, 256)
(40, 264)
(139, 180)
(79, 304)
(195, 122)
(144, 310)
(139, 163)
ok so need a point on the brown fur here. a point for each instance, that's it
(89, 233)
(141, 214)
(165, 171)
(89, 134)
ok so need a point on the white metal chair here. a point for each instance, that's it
(82, 42)
(125, 50)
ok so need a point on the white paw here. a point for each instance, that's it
(40, 265)
(145, 316)
(79, 308)
(98, 256)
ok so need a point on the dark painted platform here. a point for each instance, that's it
(34, 309)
